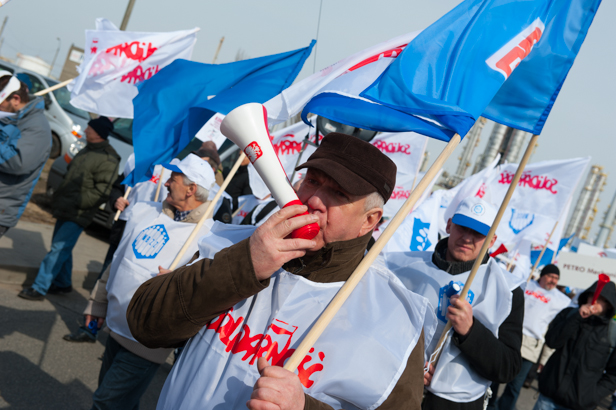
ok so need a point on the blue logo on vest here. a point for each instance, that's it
(419, 240)
(444, 295)
(150, 242)
(520, 221)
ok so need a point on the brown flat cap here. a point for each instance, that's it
(357, 166)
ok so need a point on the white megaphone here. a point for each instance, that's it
(246, 126)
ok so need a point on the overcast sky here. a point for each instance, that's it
(581, 123)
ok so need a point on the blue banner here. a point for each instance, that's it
(175, 103)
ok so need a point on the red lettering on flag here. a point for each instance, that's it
(393, 53)
(508, 57)
(393, 147)
(527, 180)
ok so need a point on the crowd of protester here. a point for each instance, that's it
(571, 341)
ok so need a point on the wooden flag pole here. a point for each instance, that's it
(117, 215)
(160, 184)
(237, 211)
(486, 243)
(344, 292)
(208, 212)
(542, 252)
(53, 88)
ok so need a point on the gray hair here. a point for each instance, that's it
(202, 194)
(373, 200)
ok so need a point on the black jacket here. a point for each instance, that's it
(496, 359)
(574, 376)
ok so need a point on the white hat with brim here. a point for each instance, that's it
(197, 170)
(475, 214)
(13, 85)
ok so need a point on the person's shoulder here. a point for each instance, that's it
(112, 153)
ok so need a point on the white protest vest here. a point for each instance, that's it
(540, 307)
(355, 363)
(490, 296)
(150, 239)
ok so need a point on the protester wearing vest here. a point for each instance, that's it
(85, 187)
(128, 367)
(487, 327)
(261, 276)
(582, 370)
(542, 302)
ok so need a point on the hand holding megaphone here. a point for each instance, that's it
(246, 126)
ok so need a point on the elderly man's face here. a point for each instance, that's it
(341, 216)
(178, 191)
(464, 243)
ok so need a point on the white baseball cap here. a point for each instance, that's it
(476, 214)
(197, 170)
(13, 85)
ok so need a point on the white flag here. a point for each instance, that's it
(419, 230)
(348, 76)
(115, 62)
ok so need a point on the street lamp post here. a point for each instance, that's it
(129, 10)
(53, 62)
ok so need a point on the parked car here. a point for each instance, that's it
(66, 121)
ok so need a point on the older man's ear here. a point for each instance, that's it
(372, 218)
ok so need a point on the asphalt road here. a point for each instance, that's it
(38, 369)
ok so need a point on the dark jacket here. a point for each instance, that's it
(25, 143)
(168, 310)
(581, 371)
(496, 359)
(87, 183)
(239, 185)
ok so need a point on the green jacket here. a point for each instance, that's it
(87, 183)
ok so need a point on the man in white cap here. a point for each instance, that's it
(484, 345)
(25, 143)
(153, 236)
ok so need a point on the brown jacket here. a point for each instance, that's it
(168, 310)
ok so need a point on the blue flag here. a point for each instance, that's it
(526, 99)
(548, 255)
(447, 76)
(175, 103)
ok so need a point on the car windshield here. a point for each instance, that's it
(63, 96)
(123, 128)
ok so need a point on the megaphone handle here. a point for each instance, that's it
(307, 231)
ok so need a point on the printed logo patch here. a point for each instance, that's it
(253, 151)
(419, 240)
(444, 295)
(520, 221)
(150, 242)
(478, 209)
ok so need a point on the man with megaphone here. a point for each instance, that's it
(371, 355)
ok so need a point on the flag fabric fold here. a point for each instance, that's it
(527, 97)
(173, 106)
(452, 70)
(116, 62)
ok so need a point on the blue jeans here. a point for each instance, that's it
(512, 390)
(545, 403)
(123, 378)
(57, 267)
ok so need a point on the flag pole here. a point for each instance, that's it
(541, 254)
(160, 184)
(208, 211)
(237, 211)
(117, 215)
(346, 289)
(53, 88)
(486, 243)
